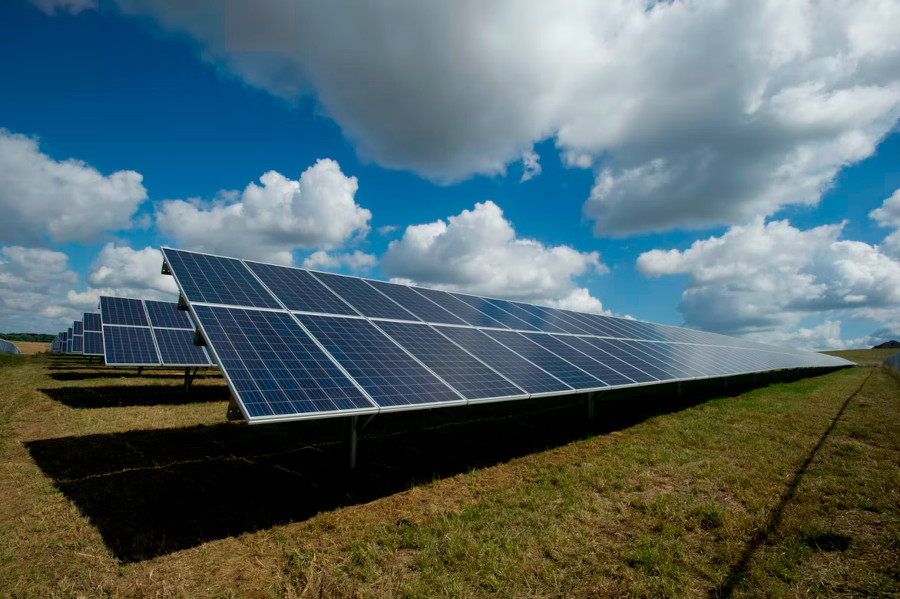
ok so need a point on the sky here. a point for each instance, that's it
(728, 166)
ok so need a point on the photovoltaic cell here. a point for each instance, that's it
(498, 314)
(604, 370)
(364, 298)
(91, 321)
(93, 343)
(459, 308)
(514, 367)
(390, 376)
(464, 373)
(122, 310)
(616, 349)
(565, 371)
(167, 314)
(299, 290)
(527, 316)
(215, 280)
(129, 346)
(176, 348)
(274, 367)
(416, 303)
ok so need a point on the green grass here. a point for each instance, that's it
(118, 485)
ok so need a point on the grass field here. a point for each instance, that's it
(124, 486)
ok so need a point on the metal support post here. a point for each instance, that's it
(351, 431)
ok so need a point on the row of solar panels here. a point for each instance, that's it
(294, 343)
(133, 332)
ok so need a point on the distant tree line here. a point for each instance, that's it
(40, 337)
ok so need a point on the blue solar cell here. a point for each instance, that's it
(274, 367)
(215, 280)
(299, 290)
(557, 318)
(78, 328)
(514, 367)
(176, 348)
(458, 308)
(167, 314)
(527, 316)
(93, 343)
(129, 346)
(123, 310)
(495, 312)
(603, 370)
(77, 344)
(659, 357)
(91, 322)
(388, 374)
(615, 348)
(626, 368)
(457, 367)
(554, 364)
(416, 303)
(366, 299)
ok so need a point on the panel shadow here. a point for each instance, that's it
(120, 396)
(152, 492)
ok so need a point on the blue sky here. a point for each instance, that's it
(683, 181)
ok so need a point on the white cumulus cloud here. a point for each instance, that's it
(355, 261)
(765, 277)
(477, 251)
(269, 221)
(61, 200)
(692, 113)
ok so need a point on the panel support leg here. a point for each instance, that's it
(351, 430)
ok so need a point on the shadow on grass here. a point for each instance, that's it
(71, 375)
(120, 396)
(153, 492)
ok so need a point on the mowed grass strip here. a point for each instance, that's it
(532, 504)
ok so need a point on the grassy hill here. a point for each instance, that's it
(119, 485)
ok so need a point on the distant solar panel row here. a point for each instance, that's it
(294, 343)
(147, 333)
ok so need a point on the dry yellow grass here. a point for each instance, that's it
(31, 347)
(122, 486)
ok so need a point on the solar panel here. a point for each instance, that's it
(128, 346)
(606, 371)
(299, 290)
(567, 372)
(498, 314)
(167, 315)
(176, 348)
(217, 280)
(416, 303)
(468, 375)
(273, 367)
(93, 343)
(366, 299)
(517, 369)
(91, 322)
(298, 344)
(458, 308)
(389, 375)
(123, 310)
(527, 316)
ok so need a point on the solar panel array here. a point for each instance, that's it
(93, 334)
(148, 333)
(295, 344)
